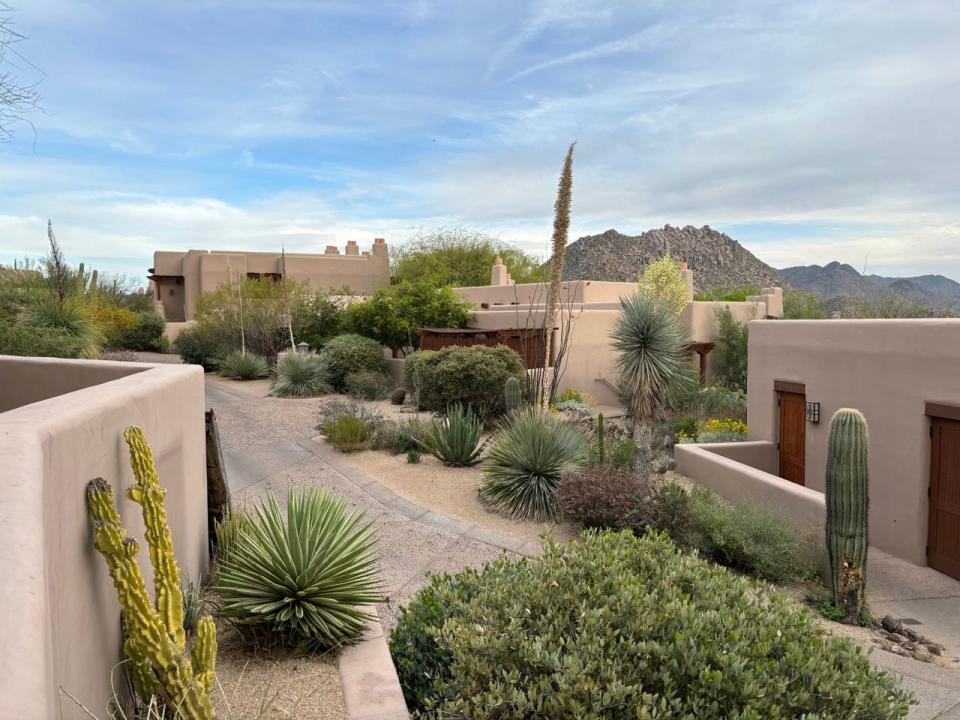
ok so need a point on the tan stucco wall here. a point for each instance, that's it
(887, 369)
(22, 383)
(205, 270)
(62, 620)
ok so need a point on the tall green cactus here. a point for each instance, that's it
(600, 432)
(847, 506)
(155, 642)
(512, 394)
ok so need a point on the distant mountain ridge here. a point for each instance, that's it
(839, 280)
(717, 260)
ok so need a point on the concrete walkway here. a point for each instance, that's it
(268, 447)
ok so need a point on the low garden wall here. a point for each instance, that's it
(747, 470)
(62, 624)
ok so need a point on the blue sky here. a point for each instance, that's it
(811, 131)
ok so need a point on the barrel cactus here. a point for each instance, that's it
(847, 505)
(155, 642)
(512, 394)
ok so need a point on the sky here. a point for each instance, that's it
(809, 131)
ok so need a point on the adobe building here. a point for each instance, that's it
(177, 279)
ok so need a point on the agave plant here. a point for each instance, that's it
(241, 365)
(529, 456)
(300, 578)
(454, 439)
(653, 364)
(301, 375)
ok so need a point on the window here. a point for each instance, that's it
(172, 292)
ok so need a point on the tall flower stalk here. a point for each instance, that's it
(561, 227)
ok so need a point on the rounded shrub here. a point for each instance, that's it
(347, 433)
(473, 376)
(347, 354)
(300, 375)
(398, 396)
(144, 335)
(531, 452)
(600, 497)
(368, 384)
(240, 365)
(618, 626)
(301, 578)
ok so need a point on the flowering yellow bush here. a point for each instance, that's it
(722, 425)
(115, 321)
(662, 281)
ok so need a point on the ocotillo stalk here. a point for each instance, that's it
(600, 431)
(847, 509)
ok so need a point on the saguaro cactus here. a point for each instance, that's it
(600, 431)
(155, 641)
(512, 394)
(847, 505)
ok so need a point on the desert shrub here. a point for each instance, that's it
(321, 320)
(578, 395)
(753, 539)
(618, 626)
(302, 578)
(730, 353)
(346, 433)
(665, 508)
(454, 439)
(711, 401)
(398, 396)
(240, 365)
(145, 335)
(72, 317)
(372, 418)
(720, 430)
(413, 456)
(227, 531)
(399, 436)
(195, 604)
(737, 294)
(350, 353)
(38, 342)
(350, 427)
(683, 424)
(203, 345)
(800, 305)
(600, 497)
(300, 375)
(574, 407)
(114, 322)
(473, 376)
(662, 282)
(367, 384)
(531, 452)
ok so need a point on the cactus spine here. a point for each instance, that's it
(155, 640)
(512, 394)
(847, 505)
(600, 431)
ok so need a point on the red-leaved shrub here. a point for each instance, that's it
(600, 497)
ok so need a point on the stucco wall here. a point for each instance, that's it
(62, 624)
(887, 369)
(22, 383)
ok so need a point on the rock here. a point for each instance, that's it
(891, 624)
(912, 635)
(934, 649)
(921, 655)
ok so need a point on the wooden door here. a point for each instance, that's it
(943, 543)
(792, 440)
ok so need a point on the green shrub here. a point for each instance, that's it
(202, 345)
(530, 454)
(600, 497)
(454, 439)
(618, 626)
(619, 452)
(146, 335)
(737, 294)
(662, 281)
(712, 401)
(347, 354)
(72, 317)
(37, 342)
(473, 376)
(749, 538)
(574, 407)
(346, 433)
(368, 384)
(240, 365)
(301, 375)
(373, 421)
(730, 353)
(398, 396)
(665, 508)
(228, 530)
(413, 456)
(301, 578)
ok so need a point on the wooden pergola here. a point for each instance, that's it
(702, 349)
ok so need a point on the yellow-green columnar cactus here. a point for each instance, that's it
(155, 642)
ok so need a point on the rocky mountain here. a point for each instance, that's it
(717, 260)
(839, 280)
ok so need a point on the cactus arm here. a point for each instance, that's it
(203, 654)
(166, 574)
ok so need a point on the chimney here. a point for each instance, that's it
(331, 250)
(379, 246)
(499, 274)
(352, 248)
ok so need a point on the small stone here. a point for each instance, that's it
(891, 624)
(912, 634)
(934, 649)
(922, 655)
(910, 645)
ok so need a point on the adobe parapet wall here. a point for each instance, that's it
(62, 427)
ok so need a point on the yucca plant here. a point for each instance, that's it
(653, 364)
(301, 578)
(454, 439)
(530, 454)
(301, 375)
(240, 365)
(72, 316)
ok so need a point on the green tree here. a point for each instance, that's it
(393, 314)
(801, 305)
(653, 365)
(730, 353)
(460, 258)
(662, 282)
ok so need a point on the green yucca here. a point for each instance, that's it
(301, 578)
(301, 375)
(529, 455)
(72, 317)
(240, 365)
(454, 439)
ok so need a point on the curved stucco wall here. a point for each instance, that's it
(61, 617)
